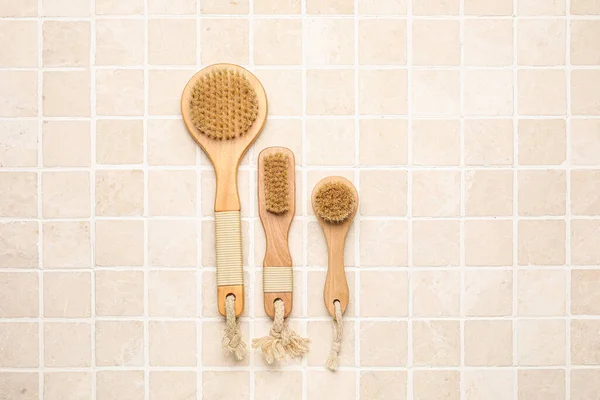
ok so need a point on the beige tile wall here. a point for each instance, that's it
(470, 127)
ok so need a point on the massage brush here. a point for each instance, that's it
(224, 108)
(335, 201)
(276, 207)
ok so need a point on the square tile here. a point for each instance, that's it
(65, 43)
(383, 344)
(488, 93)
(20, 385)
(119, 243)
(585, 384)
(383, 193)
(488, 141)
(57, 8)
(183, 7)
(165, 44)
(66, 194)
(119, 293)
(435, 42)
(172, 293)
(71, 385)
(19, 293)
(66, 94)
(23, 85)
(119, 92)
(278, 41)
(436, 384)
(541, 7)
(113, 384)
(383, 92)
(164, 91)
(19, 143)
(172, 243)
(541, 42)
(584, 39)
(329, 7)
(547, 84)
(435, 243)
(172, 343)
(66, 143)
(542, 192)
(488, 42)
(28, 8)
(373, 282)
(119, 343)
(19, 43)
(541, 342)
(489, 384)
(488, 343)
(330, 92)
(226, 384)
(582, 7)
(542, 141)
(584, 87)
(172, 193)
(173, 385)
(119, 42)
(66, 244)
(119, 193)
(435, 93)
(19, 345)
(274, 385)
(117, 7)
(67, 295)
(541, 292)
(436, 142)
(585, 141)
(330, 141)
(488, 7)
(436, 293)
(169, 143)
(277, 7)
(436, 194)
(489, 242)
(285, 92)
(489, 193)
(383, 7)
(321, 334)
(584, 285)
(382, 41)
(19, 247)
(383, 243)
(331, 41)
(488, 293)
(436, 343)
(541, 383)
(385, 385)
(67, 344)
(20, 196)
(435, 7)
(119, 141)
(584, 184)
(541, 242)
(224, 40)
(383, 142)
(585, 343)
(585, 236)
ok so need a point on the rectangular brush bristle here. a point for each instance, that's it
(276, 183)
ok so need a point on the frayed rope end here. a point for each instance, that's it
(338, 332)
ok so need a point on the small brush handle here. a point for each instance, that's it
(336, 284)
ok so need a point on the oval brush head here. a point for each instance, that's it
(223, 104)
(334, 202)
(276, 183)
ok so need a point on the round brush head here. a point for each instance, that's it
(223, 104)
(334, 202)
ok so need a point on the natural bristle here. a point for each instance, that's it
(223, 104)
(334, 202)
(276, 183)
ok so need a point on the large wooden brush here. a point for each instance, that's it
(224, 108)
(276, 207)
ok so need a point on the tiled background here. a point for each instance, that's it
(470, 127)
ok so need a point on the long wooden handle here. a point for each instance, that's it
(336, 285)
(230, 274)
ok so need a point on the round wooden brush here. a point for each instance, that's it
(224, 108)
(276, 207)
(335, 201)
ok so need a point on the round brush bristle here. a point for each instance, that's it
(276, 183)
(334, 202)
(223, 104)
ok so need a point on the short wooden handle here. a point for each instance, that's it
(230, 274)
(336, 284)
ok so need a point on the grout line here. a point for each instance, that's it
(463, 205)
(410, 389)
(568, 218)
(199, 251)
(40, 163)
(357, 218)
(252, 207)
(146, 209)
(515, 231)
